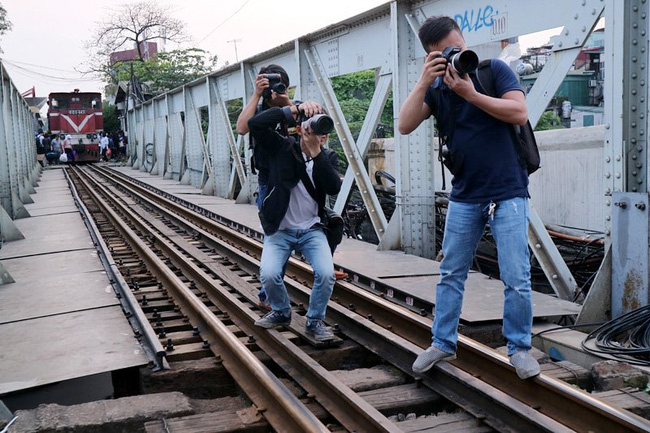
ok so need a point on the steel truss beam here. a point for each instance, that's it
(396, 56)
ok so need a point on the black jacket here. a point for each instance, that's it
(285, 167)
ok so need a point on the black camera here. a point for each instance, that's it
(461, 61)
(275, 84)
(319, 124)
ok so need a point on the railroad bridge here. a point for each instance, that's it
(593, 180)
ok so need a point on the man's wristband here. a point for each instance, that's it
(288, 116)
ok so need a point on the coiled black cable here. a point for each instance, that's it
(626, 338)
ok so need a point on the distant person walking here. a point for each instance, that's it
(40, 149)
(103, 146)
(55, 151)
(67, 148)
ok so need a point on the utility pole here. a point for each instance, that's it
(234, 41)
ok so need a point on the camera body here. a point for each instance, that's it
(319, 124)
(275, 84)
(461, 61)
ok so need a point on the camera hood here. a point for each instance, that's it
(464, 62)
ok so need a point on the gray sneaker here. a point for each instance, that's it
(317, 330)
(273, 319)
(429, 357)
(525, 365)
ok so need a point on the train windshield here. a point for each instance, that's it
(75, 101)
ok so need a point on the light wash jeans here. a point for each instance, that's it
(312, 243)
(464, 227)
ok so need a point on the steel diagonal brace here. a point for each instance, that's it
(549, 258)
(566, 47)
(353, 155)
(207, 162)
(223, 111)
(363, 142)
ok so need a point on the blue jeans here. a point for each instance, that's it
(312, 243)
(464, 227)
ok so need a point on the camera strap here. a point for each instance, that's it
(304, 177)
(445, 139)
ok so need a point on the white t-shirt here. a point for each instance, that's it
(303, 209)
(103, 142)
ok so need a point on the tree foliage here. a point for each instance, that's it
(109, 116)
(168, 70)
(129, 27)
(5, 24)
(354, 92)
(549, 120)
(133, 24)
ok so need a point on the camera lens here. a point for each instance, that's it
(464, 62)
(279, 88)
(321, 124)
(275, 84)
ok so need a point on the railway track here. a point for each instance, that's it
(188, 281)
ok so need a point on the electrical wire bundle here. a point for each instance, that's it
(626, 338)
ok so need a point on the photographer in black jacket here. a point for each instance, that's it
(289, 214)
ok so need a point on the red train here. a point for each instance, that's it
(78, 114)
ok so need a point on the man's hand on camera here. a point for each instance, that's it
(261, 83)
(277, 99)
(280, 99)
(434, 67)
(460, 85)
(310, 108)
(310, 143)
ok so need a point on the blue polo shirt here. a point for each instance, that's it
(490, 168)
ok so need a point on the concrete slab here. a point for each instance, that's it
(54, 209)
(48, 234)
(483, 300)
(66, 346)
(60, 319)
(70, 281)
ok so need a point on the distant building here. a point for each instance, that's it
(149, 51)
(582, 87)
(35, 104)
(127, 93)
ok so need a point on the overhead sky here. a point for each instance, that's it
(46, 42)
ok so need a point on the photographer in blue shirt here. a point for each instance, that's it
(489, 186)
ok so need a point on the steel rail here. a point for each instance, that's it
(505, 413)
(140, 323)
(280, 407)
(550, 397)
(337, 398)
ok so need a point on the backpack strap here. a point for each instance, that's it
(444, 141)
(486, 81)
(484, 77)
(304, 177)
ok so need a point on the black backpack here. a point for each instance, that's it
(523, 135)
